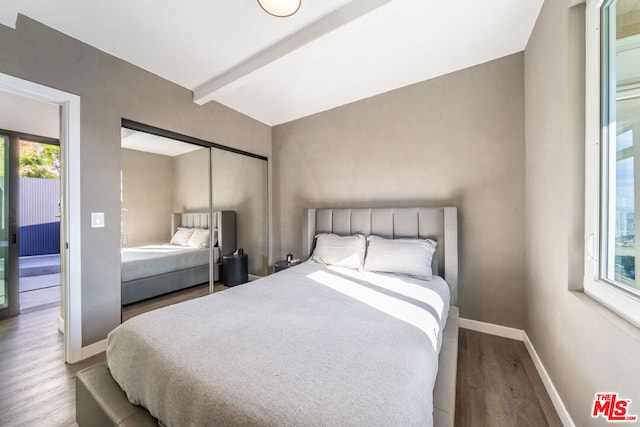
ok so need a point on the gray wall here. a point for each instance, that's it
(111, 89)
(455, 140)
(191, 187)
(584, 347)
(147, 198)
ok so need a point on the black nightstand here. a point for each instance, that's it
(283, 265)
(235, 269)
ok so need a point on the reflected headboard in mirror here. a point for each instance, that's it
(223, 222)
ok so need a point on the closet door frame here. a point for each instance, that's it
(129, 124)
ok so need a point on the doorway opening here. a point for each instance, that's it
(39, 224)
(67, 125)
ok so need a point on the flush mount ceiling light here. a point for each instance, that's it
(280, 8)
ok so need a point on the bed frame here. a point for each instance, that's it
(153, 286)
(101, 402)
(439, 224)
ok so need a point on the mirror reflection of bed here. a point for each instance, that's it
(162, 274)
(166, 188)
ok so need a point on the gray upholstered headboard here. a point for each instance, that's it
(223, 221)
(439, 224)
(196, 220)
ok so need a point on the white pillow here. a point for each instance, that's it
(199, 239)
(343, 251)
(409, 257)
(182, 236)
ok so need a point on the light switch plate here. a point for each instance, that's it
(97, 219)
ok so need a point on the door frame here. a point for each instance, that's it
(70, 220)
(13, 237)
(11, 278)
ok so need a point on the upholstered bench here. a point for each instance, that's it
(101, 402)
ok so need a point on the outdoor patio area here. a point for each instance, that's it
(39, 282)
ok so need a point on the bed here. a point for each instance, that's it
(315, 344)
(154, 270)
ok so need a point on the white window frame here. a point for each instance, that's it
(623, 303)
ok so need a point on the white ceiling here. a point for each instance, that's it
(332, 52)
(141, 141)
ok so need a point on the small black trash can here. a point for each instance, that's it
(235, 269)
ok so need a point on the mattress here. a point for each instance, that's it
(312, 344)
(146, 261)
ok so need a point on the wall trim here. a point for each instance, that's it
(521, 335)
(93, 349)
(564, 415)
(492, 329)
(61, 324)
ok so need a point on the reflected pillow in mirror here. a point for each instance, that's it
(182, 236)
(199, 239)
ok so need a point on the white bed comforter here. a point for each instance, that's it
(311, 345)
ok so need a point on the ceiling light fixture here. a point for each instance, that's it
(280, 8)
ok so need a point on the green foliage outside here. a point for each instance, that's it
(3, 142)
(43, 162)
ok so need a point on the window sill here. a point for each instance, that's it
(618, 301)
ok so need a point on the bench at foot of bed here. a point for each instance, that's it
(101, 402)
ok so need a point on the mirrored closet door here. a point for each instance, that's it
(239, 184)
(167, 229)
(194, 217)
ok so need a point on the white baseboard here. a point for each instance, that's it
(564, 415)
(61, 324)
(520, 335)
(93, 349)
(491, 329)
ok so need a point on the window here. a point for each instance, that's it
(613, 155)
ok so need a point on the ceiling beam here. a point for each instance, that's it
(325, 25)
(9, 13)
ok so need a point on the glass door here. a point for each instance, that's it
(4, 221)
(9, 301)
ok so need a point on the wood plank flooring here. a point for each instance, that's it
(497, 382)
(36, 386)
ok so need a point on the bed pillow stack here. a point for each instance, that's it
(199, 239)
(406, 257)
(191, 237)
(182, 236)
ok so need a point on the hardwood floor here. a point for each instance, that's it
(131, 310)
(497, 382)
(36, 387)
